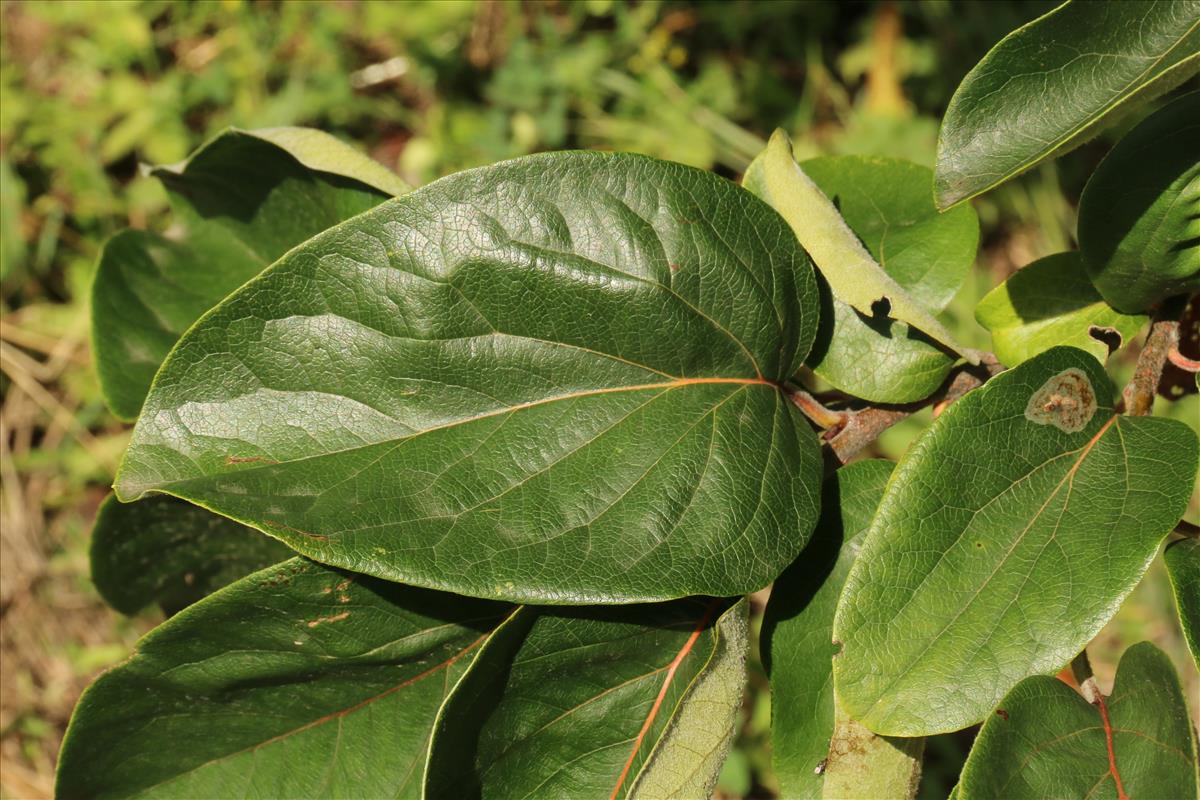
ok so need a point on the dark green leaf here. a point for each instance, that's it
(1053, 83)
(163, 550)
(624, 702)
(298, 681)
(1008, 535)
(1139, 217)
(797, 633)
(1183, 565)
(556, 379)
(1052, 302)
(1046, 741)
(244, 199)
(863, 348)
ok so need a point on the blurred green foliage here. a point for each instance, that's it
(90, 90)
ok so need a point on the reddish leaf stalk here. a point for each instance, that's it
(662, 693)
(1081, 670)
(862, 427)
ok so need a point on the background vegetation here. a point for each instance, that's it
(88, 91)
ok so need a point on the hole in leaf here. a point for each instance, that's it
(1108, 336)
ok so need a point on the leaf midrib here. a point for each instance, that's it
(1068, 479)
(671, 669)
(339, 714)
(664, 386)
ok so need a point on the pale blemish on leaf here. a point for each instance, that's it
(232, 460)
(862, 764)
(331, 618)
(1067, 401)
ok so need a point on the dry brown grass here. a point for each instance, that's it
(55, 633)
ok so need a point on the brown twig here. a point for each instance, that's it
(1138, 397)
(1188, 529)
(860, 428)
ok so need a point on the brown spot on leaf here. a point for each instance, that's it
(231, 460)
(847, 740)
(1067, 401)
(330, 618)
(281, 527)
(1001, 713)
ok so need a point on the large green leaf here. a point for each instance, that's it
(1183, 565)
(1051, 84)
(1046, 741)
(636, 701)
(554, 380)
(798, 649)
(1008, 535)
(853, 274)
(163, 550)
(298, 681)
(1139, 216)
(860, 348)
(244, 199)
(888, 204)
(1052, 302)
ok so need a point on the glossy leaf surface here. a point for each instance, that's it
(1139, 216)
(1052, 302)
(162, 550)
(886, 204)
(636, 701)
(797, 633)
(1045, 740)
(559, 374)
(1183, 565)
(1051, 84)
(242, 200)
(1008, 535)
(297, 681)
